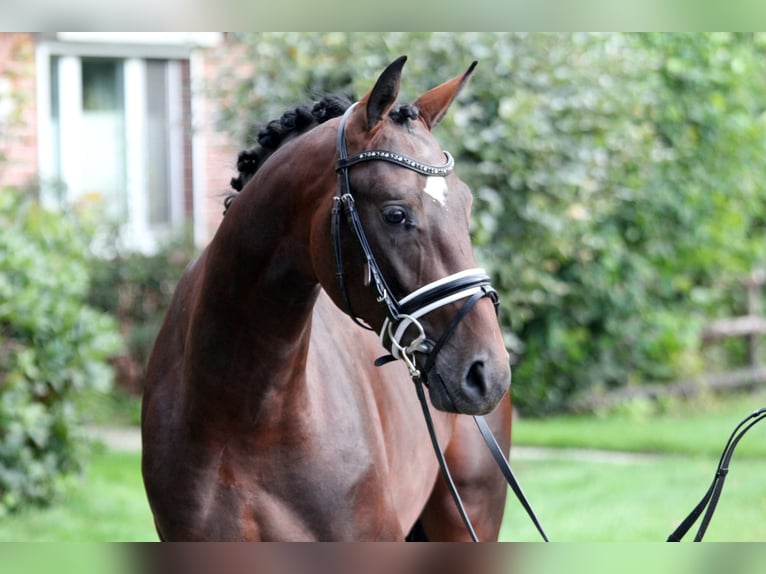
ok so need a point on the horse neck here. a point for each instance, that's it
(252, 317)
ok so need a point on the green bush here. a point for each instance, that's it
(52, 347)
(136, 289)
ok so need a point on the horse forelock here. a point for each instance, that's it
(404, 113)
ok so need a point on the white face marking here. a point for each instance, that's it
(436, 187)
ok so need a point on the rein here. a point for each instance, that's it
(403, 314)
(710, 500)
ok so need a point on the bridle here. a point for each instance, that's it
(469, 285)
(402, 314)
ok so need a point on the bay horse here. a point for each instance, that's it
(264, 416)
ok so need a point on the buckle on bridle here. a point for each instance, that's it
(399, 351)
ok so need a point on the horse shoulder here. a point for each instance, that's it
(379, 407)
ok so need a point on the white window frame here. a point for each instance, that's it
(133, 49)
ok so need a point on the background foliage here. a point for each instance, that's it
(136, 289)
(52, 347)
(618, 180)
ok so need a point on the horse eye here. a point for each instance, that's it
(394, 215)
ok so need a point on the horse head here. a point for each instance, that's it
(402, 247)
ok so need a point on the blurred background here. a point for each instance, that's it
(620, 206)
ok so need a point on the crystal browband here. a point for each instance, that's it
(399, 159)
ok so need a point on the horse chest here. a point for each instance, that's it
(293, 491)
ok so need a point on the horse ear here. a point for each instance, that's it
(382, 97)
(435, 102)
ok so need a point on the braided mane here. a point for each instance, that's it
(294, 122)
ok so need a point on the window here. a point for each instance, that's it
(102, 136)
(116, 141)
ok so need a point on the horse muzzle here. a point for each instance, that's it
(475, 390)
(468, 385)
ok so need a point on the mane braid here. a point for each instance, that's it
(270, 137)
(292, 123)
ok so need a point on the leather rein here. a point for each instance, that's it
(709, 501)
(403, 315)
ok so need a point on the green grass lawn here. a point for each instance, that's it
(644, 501)
(698, 427)
(576, 498)
(643, 498)
(108, 505)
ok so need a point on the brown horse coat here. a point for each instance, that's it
(263, 416)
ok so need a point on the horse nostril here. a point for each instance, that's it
(475, 379)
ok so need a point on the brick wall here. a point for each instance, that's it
(221, 148)
(18, 111)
